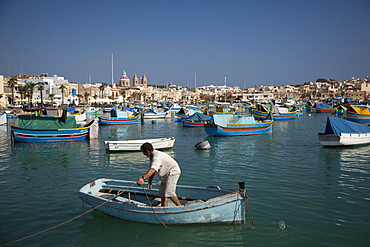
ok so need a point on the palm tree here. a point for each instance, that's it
(86, 95)
(22, 90)
(79, 96)
(95, 97)
(123, 93)
(133, 95)
(144, 95)
(62, 87)
(30, 88)
(41, 88)
(11, 83)
(102, 87)
(51, 96)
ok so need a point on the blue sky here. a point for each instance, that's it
(258, 42)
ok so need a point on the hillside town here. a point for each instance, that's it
(20, 91)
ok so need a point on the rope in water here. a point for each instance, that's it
(249, 212)
(70, 220)
(146, 194)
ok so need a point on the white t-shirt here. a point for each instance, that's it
(163, 164)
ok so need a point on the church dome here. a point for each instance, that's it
(124, 77)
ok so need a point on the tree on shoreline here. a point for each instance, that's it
(62, 87)
(11, 83)
(41, 88)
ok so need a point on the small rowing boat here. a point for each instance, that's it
(134, 145)
(123, 200)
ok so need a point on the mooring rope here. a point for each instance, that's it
(70, 220)
(146, 194)
(249, 211)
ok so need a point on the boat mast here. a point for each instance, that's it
(225, 89)
(195, 80)
(112, 70)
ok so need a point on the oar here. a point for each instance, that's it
(140, 194)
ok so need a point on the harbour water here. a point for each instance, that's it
(300, 193)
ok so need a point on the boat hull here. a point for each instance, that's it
(134, 145)
(238, 129)
(30, 135)
(110, 121)
(282, 116)
(158, 115)
(192, 123)
(207, 206)
(324, 110)
(355, 117)
(344, 139)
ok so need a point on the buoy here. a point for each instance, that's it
(110, 136)
(154, 121)
(281, 225)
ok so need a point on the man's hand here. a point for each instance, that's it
(140, 181)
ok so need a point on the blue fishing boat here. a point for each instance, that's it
(33, 128)
(278, 112)
(120, 117)
(322, 108)
(123, 200)
(196, 120)
(238, 125)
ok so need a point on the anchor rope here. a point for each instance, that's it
(67, 221)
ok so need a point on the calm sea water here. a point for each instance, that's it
(321, 194)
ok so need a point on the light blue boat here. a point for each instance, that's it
(237, 125)
(199, 205)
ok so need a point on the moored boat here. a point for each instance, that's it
(322, 108)
(200, 205)
(341, 132)
(154, 114)
(120, 117)
(237, 125)
(134, 145)
(196, 120)
(278, 112)
(47, 128)
(357, 114)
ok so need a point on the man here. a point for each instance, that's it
(166, 169)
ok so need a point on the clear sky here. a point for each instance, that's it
(252, 43)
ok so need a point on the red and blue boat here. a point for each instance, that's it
(120, 117)
(127, 120)
(278, 112)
